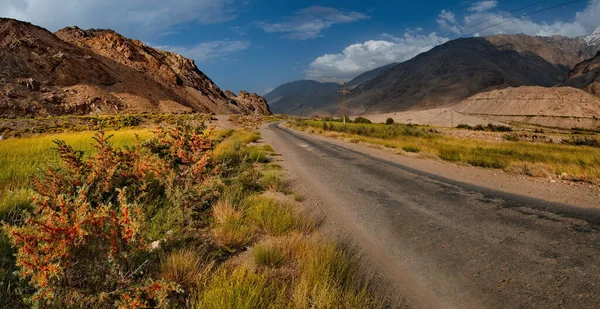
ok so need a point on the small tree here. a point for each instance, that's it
(362, 120)
(389, 121)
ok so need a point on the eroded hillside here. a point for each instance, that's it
(99, 71)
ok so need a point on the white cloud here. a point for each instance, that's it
(207, 51)
(447, 21)
(358, 58)
(310, 22)
(483, 16)
(144, 18)
(589, 18)
(483, 6)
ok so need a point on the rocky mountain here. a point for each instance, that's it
(251, 103)
(586, 75)
(79, 71)
(456, 70)
(369, 75)
(461, 68)
(302, 97)
(593, 38)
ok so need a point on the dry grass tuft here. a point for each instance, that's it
(531, 169)
(186, 267)
(298, 197)
(231, 228)
(273, 180)
(277, 218)
(271, 255)
(224, 210)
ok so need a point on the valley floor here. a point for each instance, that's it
(453, 236)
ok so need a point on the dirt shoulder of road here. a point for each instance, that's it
(577, 194)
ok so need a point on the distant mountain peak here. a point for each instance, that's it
(594, 38)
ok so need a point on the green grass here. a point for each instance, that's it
(273, 180)
(12, 204)
(411, 149)
(257, 154)
(271, 216)
(581, 162)
(326, 274)
(268, 255)
(232, 150)
(329, 276)
(240, 288)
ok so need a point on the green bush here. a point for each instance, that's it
(389, 121)
(512, 137)
(361, 120)
(583, 141)
(490, 127)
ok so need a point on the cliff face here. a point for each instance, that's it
(79, 71)
(586, 75)
(250, 102)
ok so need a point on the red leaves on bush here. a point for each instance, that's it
(82, 243)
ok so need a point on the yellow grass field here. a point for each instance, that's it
(20, 158)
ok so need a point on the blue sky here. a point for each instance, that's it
(256, 45)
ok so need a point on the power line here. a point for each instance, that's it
(524, 15)
(485, 21)
(506, 13)
(422, 50)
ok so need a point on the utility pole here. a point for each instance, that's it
(344, 92)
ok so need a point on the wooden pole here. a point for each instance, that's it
(344, 92)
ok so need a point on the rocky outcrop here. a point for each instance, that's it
(251, 102)
(586, 76)
(79, 71)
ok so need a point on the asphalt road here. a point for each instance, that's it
(446, 244)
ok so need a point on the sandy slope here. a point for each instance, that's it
(562, 107)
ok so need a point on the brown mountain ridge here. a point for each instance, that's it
(454, 71)
(79, 71)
